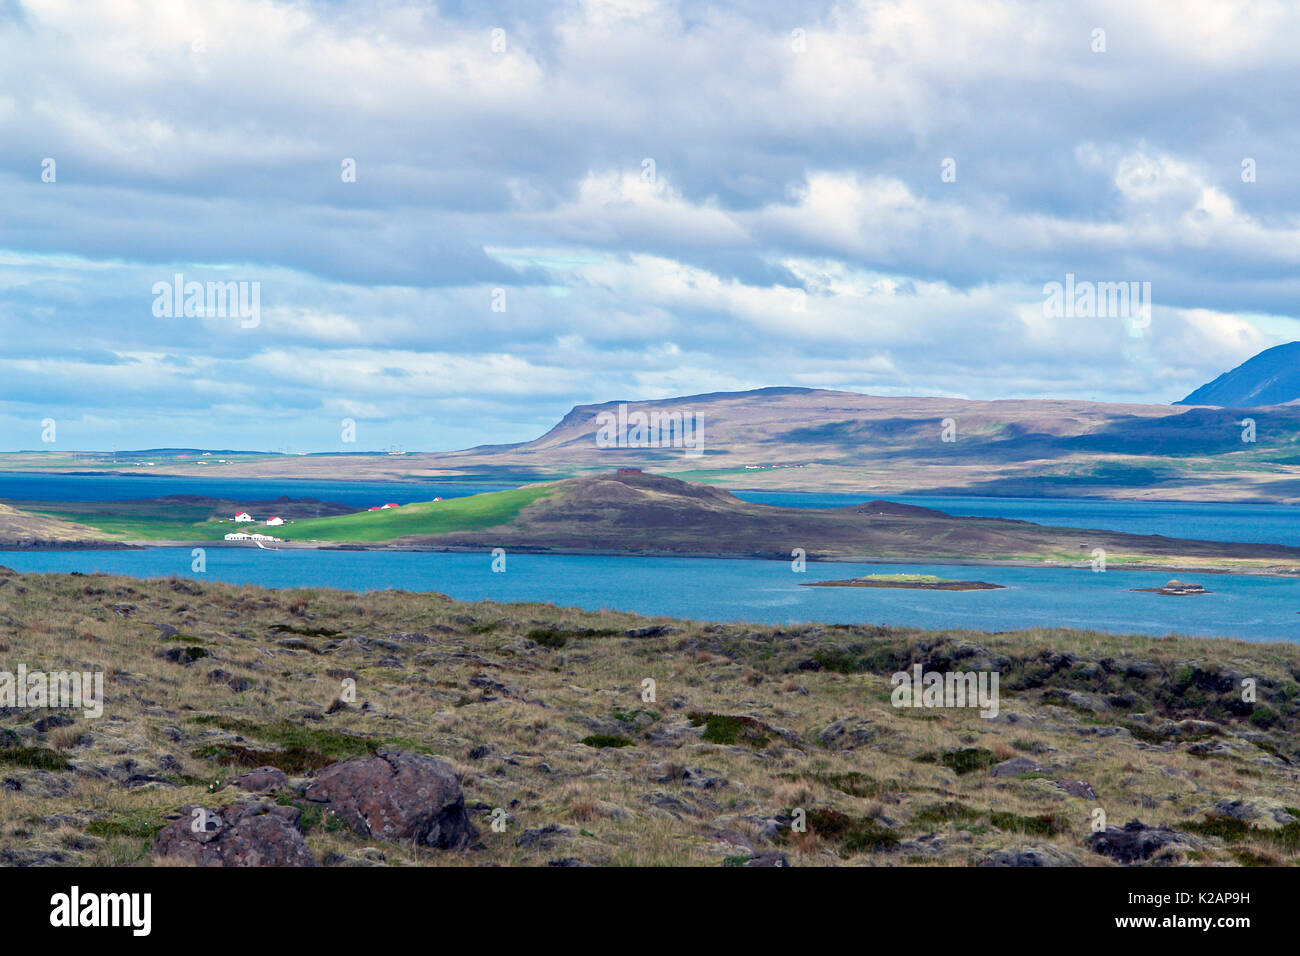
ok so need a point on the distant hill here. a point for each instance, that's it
(1270, 378)
(654, 514)
(808, 439)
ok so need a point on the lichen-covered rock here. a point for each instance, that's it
(396, 796)
(1077, 788)
(848, 734)
(263, 780)
(1014, 767)
(1137, 841)
(1038, 855)
(245, 834)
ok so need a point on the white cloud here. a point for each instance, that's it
(207, 138)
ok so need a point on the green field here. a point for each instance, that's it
(472, 513)
(906, 578)
(134, 521)
(141, 521)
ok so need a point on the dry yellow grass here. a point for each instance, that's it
(508, 693)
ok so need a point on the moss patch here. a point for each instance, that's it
(731, 730)
(38, 758)
(967, 759)
(853, 834)
(1046, 825)
(141, 824)
(938, 814)
(852, 782)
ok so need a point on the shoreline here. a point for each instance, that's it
(909, 585)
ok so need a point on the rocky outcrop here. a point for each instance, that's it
(1029, 856)
(1137, 842)
(396, 796)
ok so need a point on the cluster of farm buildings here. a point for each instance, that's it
(244, 517)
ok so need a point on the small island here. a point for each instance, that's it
(922, 582)
(1176, 588)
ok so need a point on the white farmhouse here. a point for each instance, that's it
(243, 516)
(274, 520)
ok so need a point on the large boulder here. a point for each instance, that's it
(396, 796)
(245, 834)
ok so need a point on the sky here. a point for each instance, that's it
(459, 220)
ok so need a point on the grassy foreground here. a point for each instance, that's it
(540, 711)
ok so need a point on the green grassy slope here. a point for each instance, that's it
(426, 517)
(120, 520)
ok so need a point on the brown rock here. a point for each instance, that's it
(397, 796)
(1014, 767)
(1077, 788)
(245, 834)
(263, 780)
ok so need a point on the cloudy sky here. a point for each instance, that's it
(619, 199)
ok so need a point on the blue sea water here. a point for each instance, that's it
(36, 487)
(1251, 607)
(1245, 606)
(1261, 523)
(1205, 521)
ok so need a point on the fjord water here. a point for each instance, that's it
(1261, 523)
(1250, 607)
(1204, 521)
(26, 486)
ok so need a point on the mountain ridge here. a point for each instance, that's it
(1268, 378)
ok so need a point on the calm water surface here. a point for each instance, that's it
(1255, 608)
(1250, 607)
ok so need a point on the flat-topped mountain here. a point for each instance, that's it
(788, 426)
(1270, 378)
(819, 439)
